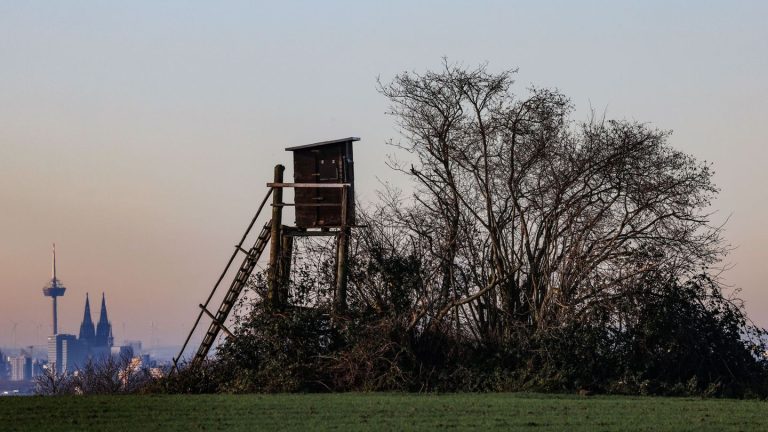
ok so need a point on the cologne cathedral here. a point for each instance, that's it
(67, 352)
(96, 340)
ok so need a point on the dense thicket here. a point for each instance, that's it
(534, 253)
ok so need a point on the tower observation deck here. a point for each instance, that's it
(53, 290)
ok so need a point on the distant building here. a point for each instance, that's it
(122, 352)
(54, 289)
(37, 368)
(146, 361)
(135, 345)
(5, 367)
(96, 339)
(21, 368)
(67, 353)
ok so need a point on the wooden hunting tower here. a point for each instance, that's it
(324, 191)
(324, 162)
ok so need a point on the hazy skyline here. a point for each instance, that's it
(139, 136)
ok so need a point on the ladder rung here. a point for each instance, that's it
(241, 278)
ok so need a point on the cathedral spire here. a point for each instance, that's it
(103, 315)
(104, 328)
(87, 332)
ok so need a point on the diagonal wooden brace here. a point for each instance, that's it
(218, 323)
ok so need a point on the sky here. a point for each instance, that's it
(139, 135)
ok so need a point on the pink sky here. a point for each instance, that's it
(139, 137)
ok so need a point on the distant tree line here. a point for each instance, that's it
(534, 253)
(106, 376)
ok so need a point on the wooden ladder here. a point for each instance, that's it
(235, 288)
(246, 268)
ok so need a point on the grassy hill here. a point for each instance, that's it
(379, 412)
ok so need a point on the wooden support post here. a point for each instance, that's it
(273, 270)
(342, 252)
(286, 254)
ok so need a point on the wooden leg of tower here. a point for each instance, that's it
(286, 254)
(342, 252)
(273, 270)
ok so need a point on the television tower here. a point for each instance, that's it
(53, 290)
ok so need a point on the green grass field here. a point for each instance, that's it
(380, 412)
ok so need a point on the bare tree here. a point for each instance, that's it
(49, 382)
(103, 376)
(528, 215)
(534, 252)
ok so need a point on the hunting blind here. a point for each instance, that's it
(324, 204)
(324, 162)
